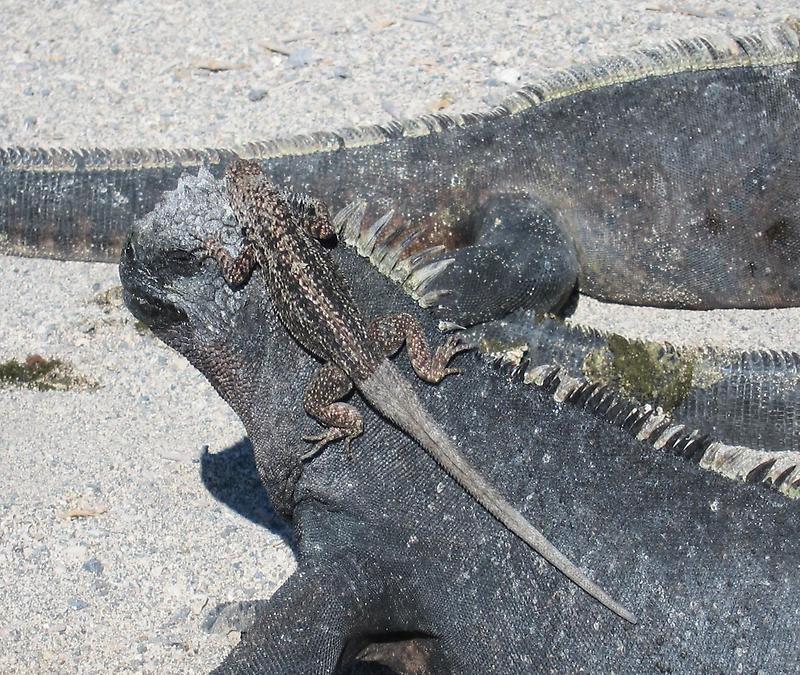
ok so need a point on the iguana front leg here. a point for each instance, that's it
(516, 255)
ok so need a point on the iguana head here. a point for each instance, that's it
(231, 335)
(171, 287)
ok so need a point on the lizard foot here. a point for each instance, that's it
(235, 270)
(330, 436)
(438, 369)
(390, 332)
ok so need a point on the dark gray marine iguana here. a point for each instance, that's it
(315, 304)
(670, 177)
(399, 571)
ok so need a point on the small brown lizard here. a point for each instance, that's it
(314, 302)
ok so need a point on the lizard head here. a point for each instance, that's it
(252, 195)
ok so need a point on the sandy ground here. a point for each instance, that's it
(113, 548)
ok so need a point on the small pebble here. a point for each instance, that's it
(198, 604)
(299, 58)
(255, 95)
(341, 72)
(422, 17)
(93, 565)
(77, 604)
(178, 616)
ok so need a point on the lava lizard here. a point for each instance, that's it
(314, 303)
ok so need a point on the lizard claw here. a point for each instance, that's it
(204, 245)
(452, 346)
(329, 436)
(319, 443)
(448, 349)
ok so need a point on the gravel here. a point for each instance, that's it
(115, 555)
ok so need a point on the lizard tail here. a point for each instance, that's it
(389, 392)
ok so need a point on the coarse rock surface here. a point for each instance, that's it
(113, 549)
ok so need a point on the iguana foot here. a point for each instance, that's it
(519, 258)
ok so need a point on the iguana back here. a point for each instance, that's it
(669, 177)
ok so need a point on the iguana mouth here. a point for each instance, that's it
(145, 298)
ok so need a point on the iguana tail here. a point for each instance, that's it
(80, 204)
(391, 394)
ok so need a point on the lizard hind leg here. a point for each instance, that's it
(390, 332)
(322, 401)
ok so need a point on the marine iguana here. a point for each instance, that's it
(669, 177)
(400, 571)
(315, 304)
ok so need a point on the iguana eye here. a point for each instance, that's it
(181, 263)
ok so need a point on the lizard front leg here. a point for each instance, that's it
(322, 401)
(315, 218)
(390, 332)
(235, 270)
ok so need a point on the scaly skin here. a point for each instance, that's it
(398, 565)
(315, 304)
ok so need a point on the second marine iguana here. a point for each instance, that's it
(667, 177)
(314, 302)
(399, 571)
(734, 412)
